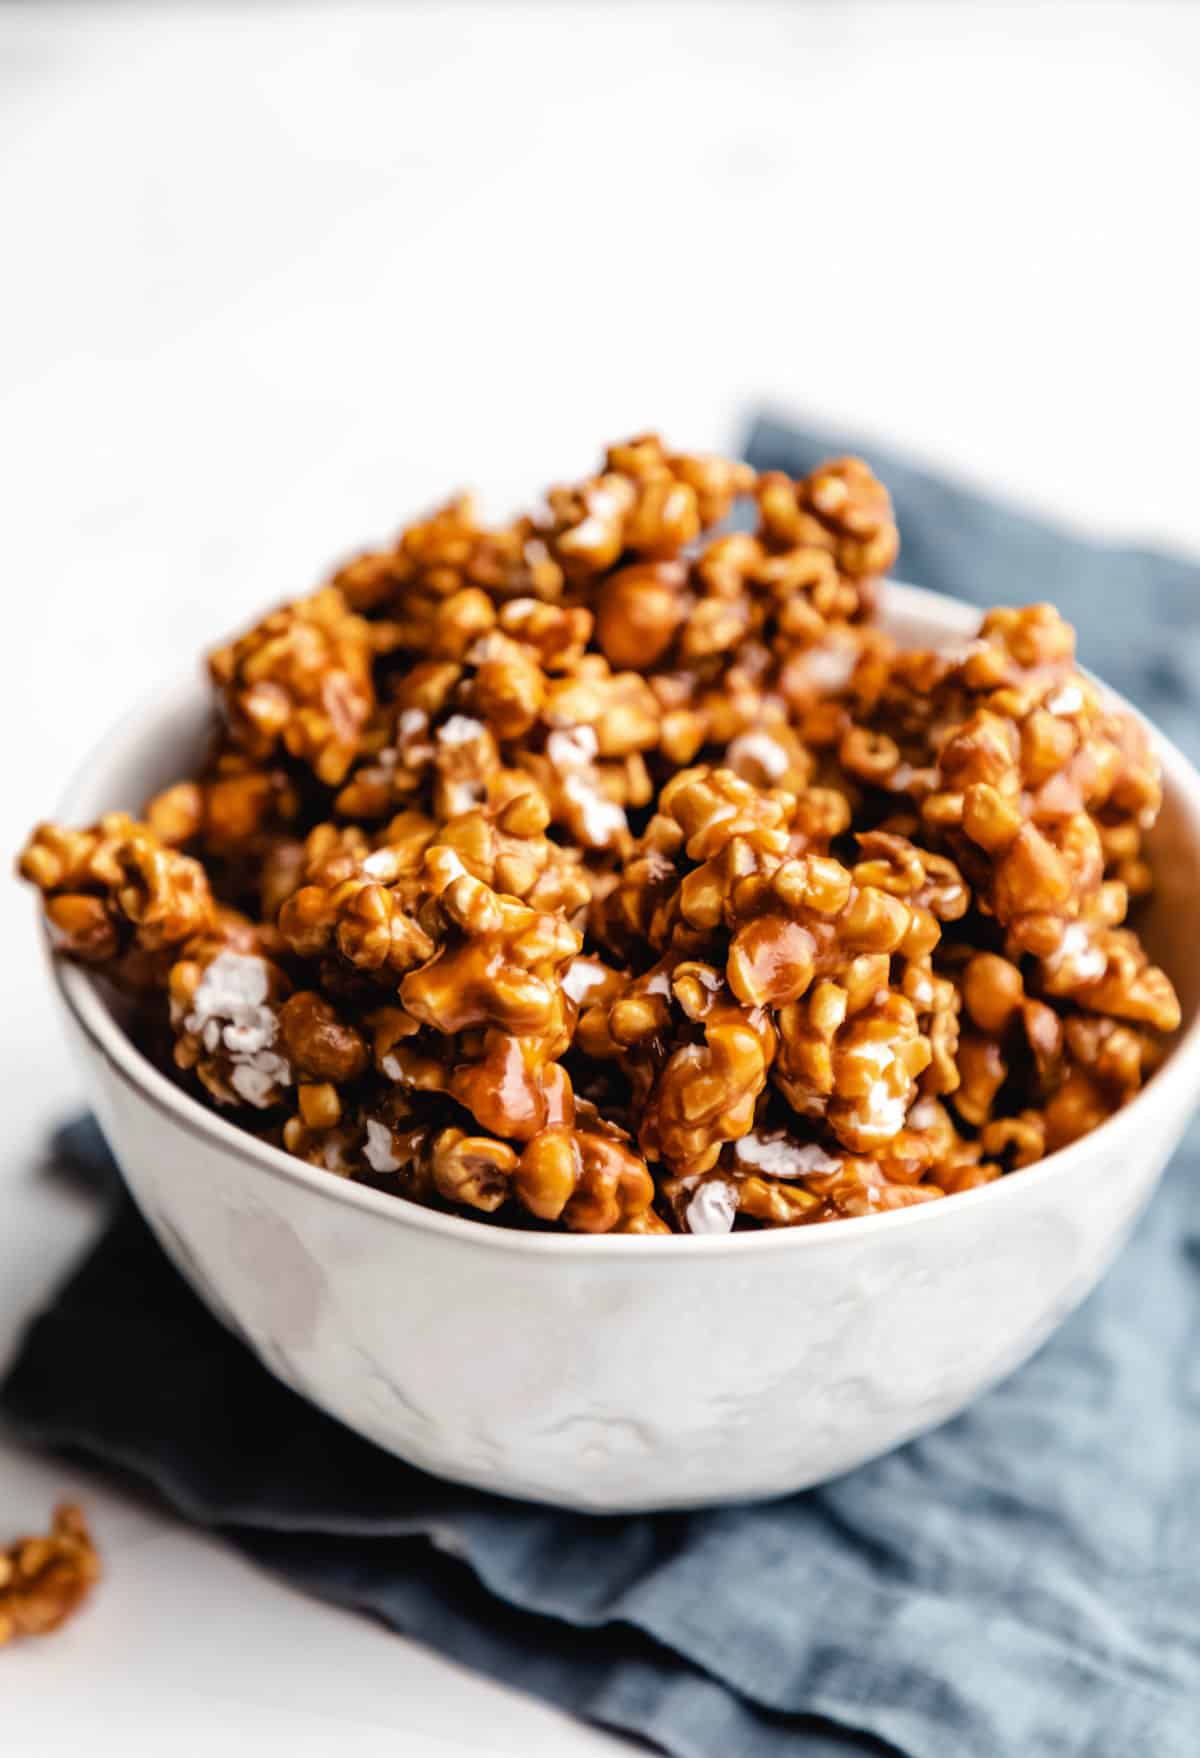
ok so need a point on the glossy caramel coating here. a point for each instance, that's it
(609, 870)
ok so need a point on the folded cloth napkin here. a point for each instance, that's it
(1025, 1581)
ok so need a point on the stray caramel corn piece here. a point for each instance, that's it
(44, 1580)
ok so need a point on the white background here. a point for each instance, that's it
(272, 279)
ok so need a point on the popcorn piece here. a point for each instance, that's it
(44, 1581)
(225, 1012)
(301, 679)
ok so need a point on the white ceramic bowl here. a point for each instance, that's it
(627, 1373)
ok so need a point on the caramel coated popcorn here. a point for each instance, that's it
(44, 1580)
(114, 886)
(611, 871)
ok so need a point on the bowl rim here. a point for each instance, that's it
(81, 996)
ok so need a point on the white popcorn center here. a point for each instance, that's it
(582, 975)
(572, 753)
(831, 667)
(1088, 963)
(882, 1110)
(1067, 701)
(231, 1013)
(462, 793)
(761, 751)
(713, 1208)
(775, 1156)
(460, 729)
(378, 1147)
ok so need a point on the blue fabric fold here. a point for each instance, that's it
(1025, 1581)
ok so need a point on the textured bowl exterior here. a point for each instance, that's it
(612, 1374)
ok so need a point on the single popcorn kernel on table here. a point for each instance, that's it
(44, 1580)
(610, 870)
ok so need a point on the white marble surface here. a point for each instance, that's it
(273, 278)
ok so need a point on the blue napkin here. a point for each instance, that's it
(1025, 1583)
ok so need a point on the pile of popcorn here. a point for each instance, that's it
(612, 871)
